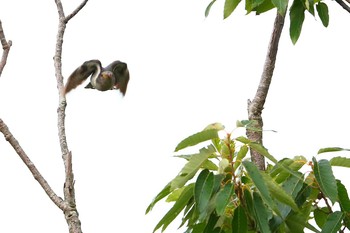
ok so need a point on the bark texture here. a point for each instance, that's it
(256, 106)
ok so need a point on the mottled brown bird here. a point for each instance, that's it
(114, 77)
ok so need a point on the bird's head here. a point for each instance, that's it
(107, 75)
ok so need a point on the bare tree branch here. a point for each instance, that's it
(344, 5)
(256, 106)
(71, 213)
(6, 45)
(71, 15)
(14, 143)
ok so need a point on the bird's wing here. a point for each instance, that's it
(121, 74)
(81, 74)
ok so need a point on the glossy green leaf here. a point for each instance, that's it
(209, 228)
(331, 149)
(278, 168)
(198, 138)
(325, 178)
(230, 6)
(191, 167)
(223, 198)
(165, 192)
(262, 150)
(263, 7)
(179, 205)
(260, 184)
(320, 215)
(333, 223)
(239, 221)
(208, 164)
(340, 161)
(203, 190)
(344, 200)
(207, 10)
(261, 214)
(277, 192)
(251, 5)
(297, 16)
(281, 5)
(322, 10)
(240, 156)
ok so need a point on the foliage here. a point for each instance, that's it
(296, 11)
(219, 190)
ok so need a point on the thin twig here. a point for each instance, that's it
(71, 213)
(14, 143)
(343, 4)
(71, 15)
(6, 45)
(256, 106)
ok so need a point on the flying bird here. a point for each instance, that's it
(113, 77)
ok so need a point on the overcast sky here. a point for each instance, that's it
(186, 72)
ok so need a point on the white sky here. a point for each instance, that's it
(186, 72)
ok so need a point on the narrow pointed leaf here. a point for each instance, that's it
(243, 140)
(207, 10)
(279, 193)
(165, 191)
(331, 149)
(191, 167)
(262, 150)
(223, 198)
(343, 197)
(340, 161)
(333, 223)
(320, 215)
(322, 10)
(197, 138)
(240, 156)
(239, 221)
(261, 214)
(230, 6)
(260, 184)
(325, 178)
(297, 16)
(179, 205)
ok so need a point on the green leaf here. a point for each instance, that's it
(325, 178)
(297, 17)
(173, 196)
(297, 221)
(262, 150)
(333, 223)
(203, 190)
(281, 5)
(252, 5)
(320, 215)
(343, 197)
(261, 214)
(230, 6)
(263, 7)
(165, 192)
(260, 184)
(242, 139)
(240, 156)
(223, 198)
(211, 224)
(239, 221)
(340, 161)
(191, 167)
(197, 138)
(279, 193)
(322, 10)
(207, 10)
(179, 205)
(331, 149)
(298, 162)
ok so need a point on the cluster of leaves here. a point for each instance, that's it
(230, 194)
(297, 11)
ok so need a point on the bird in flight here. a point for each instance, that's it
(113, 77)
